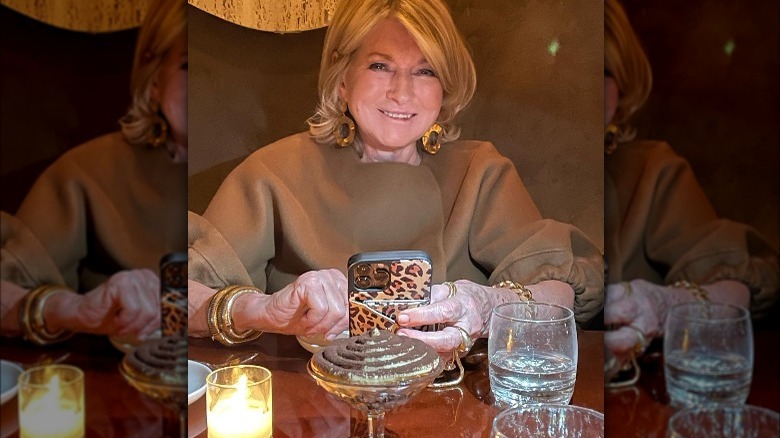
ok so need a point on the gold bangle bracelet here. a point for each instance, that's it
(221, 319)
(522, 292)
(31, 319)
(697, 291)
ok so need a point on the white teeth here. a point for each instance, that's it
(397, 115)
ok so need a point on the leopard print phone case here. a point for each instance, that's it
(382, 284)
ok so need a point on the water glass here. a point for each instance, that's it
(708, 354)
(724, 421)
(532, 354)
(554, 421)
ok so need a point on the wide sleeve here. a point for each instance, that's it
(686, 238)
(23, 259)
(47, 238)
(233, 242)
(509, 238)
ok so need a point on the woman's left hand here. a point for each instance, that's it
(468, 309)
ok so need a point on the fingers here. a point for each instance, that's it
(446, 311)
(127, 304)
(320, 303)
(622, 341)
(443, 341)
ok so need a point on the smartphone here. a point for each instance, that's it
(382, 284)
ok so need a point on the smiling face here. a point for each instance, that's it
(392, 92)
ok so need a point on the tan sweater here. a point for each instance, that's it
(295, 206)
(102, 207)
(659, 226)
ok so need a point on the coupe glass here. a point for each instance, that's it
(172, 396)
(375, 400)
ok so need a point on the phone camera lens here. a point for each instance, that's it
(382, 276)
(363, 270)
(363, 282)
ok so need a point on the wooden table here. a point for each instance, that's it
(303, 409)
(643, 410)
(113, 407)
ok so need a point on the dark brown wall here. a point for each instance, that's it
(720, 111)
(58, 89)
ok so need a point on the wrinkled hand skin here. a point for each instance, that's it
(644, 308)
(469, 309)
(315, 303)
(127, 304)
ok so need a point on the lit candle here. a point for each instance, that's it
(239, 415)
(49, 412)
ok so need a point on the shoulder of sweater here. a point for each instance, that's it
(654, 155)
(284, 147)
(474, 151)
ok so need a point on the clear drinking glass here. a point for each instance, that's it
(708, 354)
(51, 402)
(554, 421)
(724, 421)
(239, 402)
(532, 353)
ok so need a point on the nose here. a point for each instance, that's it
(401, 87)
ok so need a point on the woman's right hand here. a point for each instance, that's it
(126, 305)
(314, 304)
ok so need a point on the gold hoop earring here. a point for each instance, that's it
(431, 140)
(344, 130)
(158, 130)
(611, 135)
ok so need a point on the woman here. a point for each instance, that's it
(103, 215)
(664, 242)
(393, 76)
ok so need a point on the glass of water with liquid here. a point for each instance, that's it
(708, 354)
(532, 354)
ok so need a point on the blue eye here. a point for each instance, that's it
(378, 66)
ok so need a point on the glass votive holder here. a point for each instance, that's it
(726, 421)
(239, 402)
(51, 402)
(548, 420)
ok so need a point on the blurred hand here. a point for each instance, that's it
(126, 305)
(632, 309)
(315, 303)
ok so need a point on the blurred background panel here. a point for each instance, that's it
(715, 98)
(59, 89)
(539, 97)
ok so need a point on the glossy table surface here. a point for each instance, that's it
(113, 407)
(643, 410)
(303, 409)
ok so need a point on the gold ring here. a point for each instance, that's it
(642, 344)
(453, 289)
(466, 342)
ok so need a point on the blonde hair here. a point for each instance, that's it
(164, 22)
(430, 24)
(625, 60)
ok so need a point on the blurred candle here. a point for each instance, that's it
(242, 409)
(51, 402)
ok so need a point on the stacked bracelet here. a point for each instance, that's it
(695, 290)
(522, 292)
(31, 319)
(220, 318)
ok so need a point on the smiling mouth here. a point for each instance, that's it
(397, 116)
